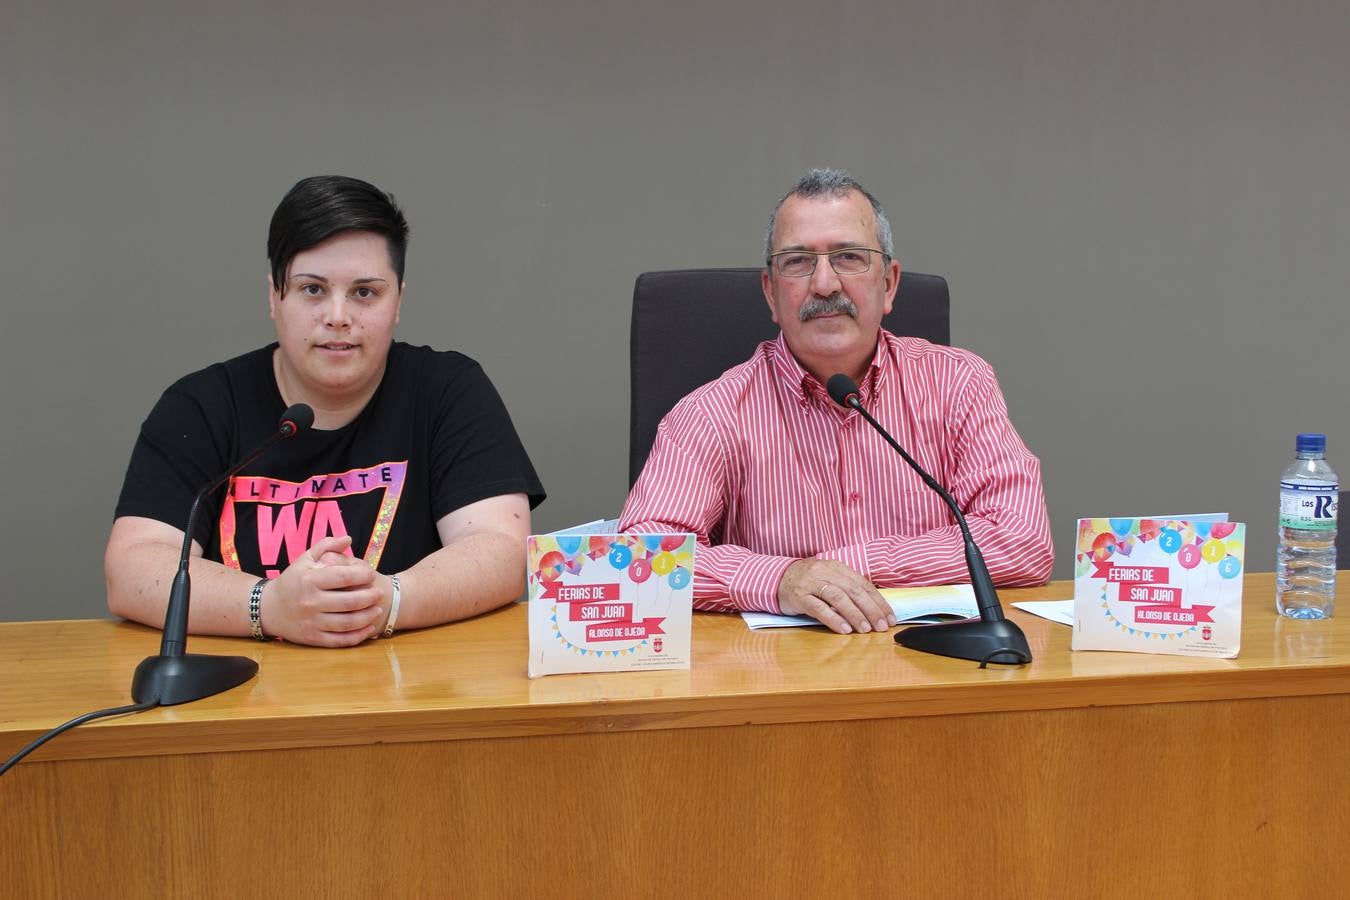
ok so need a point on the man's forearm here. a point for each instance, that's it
(1017, 555)
(728, 578)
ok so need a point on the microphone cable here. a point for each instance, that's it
(78, 720)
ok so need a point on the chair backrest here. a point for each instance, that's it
(691, 325)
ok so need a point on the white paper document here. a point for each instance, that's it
(913, 606)
(599, 526)
(1060, 611)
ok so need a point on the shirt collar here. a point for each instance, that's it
(801, 385)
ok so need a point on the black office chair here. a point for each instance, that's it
(691, 325)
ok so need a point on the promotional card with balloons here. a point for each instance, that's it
(609, 602)
(1159, 586)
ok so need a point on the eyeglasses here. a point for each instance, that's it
(800, 263)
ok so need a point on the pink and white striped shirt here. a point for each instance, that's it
(766, 469)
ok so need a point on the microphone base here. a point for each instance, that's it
(181, 679)
(975, 639)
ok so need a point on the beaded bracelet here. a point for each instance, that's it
(255, 609)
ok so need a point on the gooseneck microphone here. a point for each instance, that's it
(175, 676)
(991, 637)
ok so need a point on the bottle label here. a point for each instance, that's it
(1308, 506)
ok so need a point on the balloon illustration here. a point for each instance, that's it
(551, 561)
(1187, 531)
(1229, 567)
(1189, 556)
(620, 556)
(569, 544)
(1169, 539)
(1221, 530)
(679, 577)
(672, 542)
(1086, 535)
(1212, 551)
(640, 571)
(663, 562)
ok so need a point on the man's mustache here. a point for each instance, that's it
(827, 306)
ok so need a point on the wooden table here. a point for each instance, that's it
(785, 763)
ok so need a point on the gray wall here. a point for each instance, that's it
(1143, 209)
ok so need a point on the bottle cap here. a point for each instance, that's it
(1312, 443)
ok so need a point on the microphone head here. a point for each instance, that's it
(297, 418)
(842, 389)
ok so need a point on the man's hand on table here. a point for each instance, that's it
(834, 595)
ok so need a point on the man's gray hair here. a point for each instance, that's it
(832, 183)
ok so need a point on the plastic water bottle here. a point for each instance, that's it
(1305, 567)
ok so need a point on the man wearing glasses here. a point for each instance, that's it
(799, 506)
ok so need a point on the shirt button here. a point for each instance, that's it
(854, 497)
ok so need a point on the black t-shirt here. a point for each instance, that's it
(434, 437)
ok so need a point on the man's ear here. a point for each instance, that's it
(766, 282)
(891, 283)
